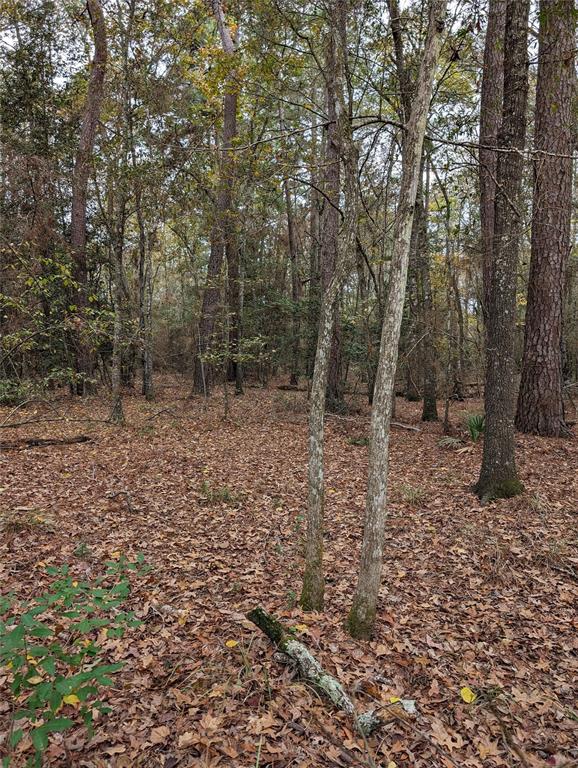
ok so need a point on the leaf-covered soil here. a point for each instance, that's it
(477, 596)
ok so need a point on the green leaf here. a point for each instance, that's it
(16, 737)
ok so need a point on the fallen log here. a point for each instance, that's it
(35, 442)
(311, 670)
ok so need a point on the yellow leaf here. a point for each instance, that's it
(31, 659)
(9, 665)
(115, 555)
(231, 643)
(72, 698)
(467, 695)
(34, 680)
(392, 764)
(301, 627)
(74, 583)
(394, 699)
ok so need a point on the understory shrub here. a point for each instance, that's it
(51, 652)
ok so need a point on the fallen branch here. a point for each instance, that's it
(399, 425)
(310, 669)
(35, 442)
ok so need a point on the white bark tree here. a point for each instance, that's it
(313, 579)
(362, 615)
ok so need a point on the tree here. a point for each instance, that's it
(540, 402)
(84, 362)
(362, 615)
(491, 103)
(498, 474)
(312, 593)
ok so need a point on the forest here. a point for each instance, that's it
(288, 383)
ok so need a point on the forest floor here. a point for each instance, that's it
(477, 596)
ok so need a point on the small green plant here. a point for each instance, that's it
(49, 647)
(412, 494)
(215, 495)
(361, 441)
(14, 392)
(476, 425)
(82, 550)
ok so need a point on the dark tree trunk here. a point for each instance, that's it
(490, 120)
(295, 287)
(212, 295)
(330, 226)
(498, 476)
(84, 356)
(430, 408)
(224, 240)
(540, 403)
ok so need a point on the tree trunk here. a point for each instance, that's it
(498, 475)
(492, 97)
(294, 271)
(330, 222)
(362, 615)
(203, 372)
(540, 403)
(117, 413)
(313, 297)
(84, 357)
(430, 408)
(225, 229)
(313, 579)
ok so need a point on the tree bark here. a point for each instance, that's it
(313, 579)
(84, 357)
(362, 615)
(429, 334)
(224, 245)
(330, 219)
(492, 97)
(540, 402)
(498, 475)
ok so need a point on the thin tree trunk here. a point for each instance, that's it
(117, 413)
(362, 615)
(314, 297)
(540, 402)
(429, 411)
(212, 296)
(330, 222)
(226, 228)
(294, 267)
(313, 580)
(84, 356)
(498, 475)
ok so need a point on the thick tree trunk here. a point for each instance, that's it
(498, 475)
(84, 356)
(540, 403)
(492, 97)
(362, 615)
(313, 579)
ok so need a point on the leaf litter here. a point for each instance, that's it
(477, 619)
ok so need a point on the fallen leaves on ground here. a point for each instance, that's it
(476, 621)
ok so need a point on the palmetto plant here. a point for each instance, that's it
(476, 426)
